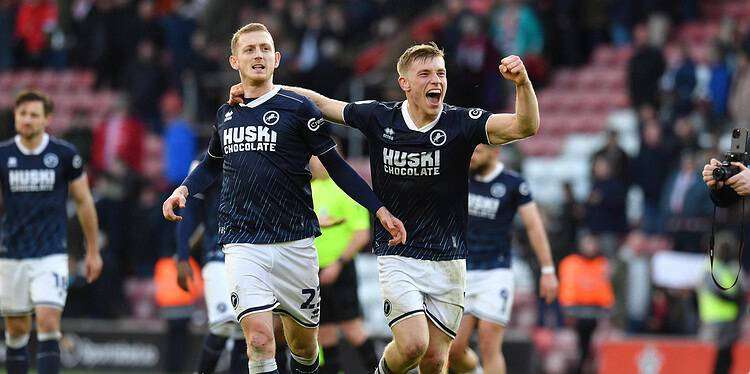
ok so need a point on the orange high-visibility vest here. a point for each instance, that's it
(168, 293)
(585, 282)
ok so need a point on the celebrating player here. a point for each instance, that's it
(495, 195)
(36, 173)
(203, 209)
(266, 218)
(420, 150)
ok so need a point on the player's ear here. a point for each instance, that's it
(277, 58)
(234, 62)
(404, 84)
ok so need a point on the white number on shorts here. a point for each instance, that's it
(61, 282)
(504, 296)
(308, 303)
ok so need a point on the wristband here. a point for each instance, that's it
(549, 269)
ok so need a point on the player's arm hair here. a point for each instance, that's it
(507, 127)
(186, 227)
(86, 211)
(532, 220)
(332, 109)
(349, 181)
(360, 239)
(203, 175)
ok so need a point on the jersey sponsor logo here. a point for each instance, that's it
(31, 180)
(314, 123)
(12, 162)
(271, 117)
(438, 137)
(498, 190)
(388, 133)
(523, 189)
(475, 113)
(50, 160)
(228, 116)
(77, 161)
(483, 206)
(411, 163)
(249, 138)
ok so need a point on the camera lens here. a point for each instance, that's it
(720, 174)
(736, 133)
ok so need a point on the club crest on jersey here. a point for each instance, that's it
(77, 161)
(228, 116)
(523, 189)
(314, 124)
(388, 133)
(497, 190)
(438, 137)
(235, 299)
(387, 307)
(12, 162)
(271, 117)
(475, 113)
(50, 160)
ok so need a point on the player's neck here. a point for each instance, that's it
(253, 91)
(32, 142)
(420, 117)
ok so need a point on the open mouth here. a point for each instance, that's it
(433, 96)
(259, 68)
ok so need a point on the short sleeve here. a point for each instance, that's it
(74, 165)
(524, 193)
(316, 132)
(474, 125)
(360, 114)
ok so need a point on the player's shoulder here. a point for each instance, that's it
(8, 144)
(295, 102)
(511, 175)
(462, 112)
(62, 145)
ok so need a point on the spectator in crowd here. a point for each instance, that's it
(585, 291)
(681, 82)
(118, 139)
(616, 156)
(178, 31)
(179, 139)
(35, 22)
(80, 134)
(144, 83)
(605, 207)
(645, 68)
(719, 84)
(515, 29)
(739, 97)
(7, 23)
(649, 170)
(684, 206)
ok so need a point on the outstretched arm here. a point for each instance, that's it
(202, 177)
(507, 127)
(350, 182)
(333, 110)
(538, 237)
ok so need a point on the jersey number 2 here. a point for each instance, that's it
(311, 296)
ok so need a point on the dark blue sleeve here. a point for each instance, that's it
(349, 181)
(524, 193)
(204, 174)
(316, 131)
(360, 114)
(474, 125)
(185, 228)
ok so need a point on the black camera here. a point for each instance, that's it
(737, 153)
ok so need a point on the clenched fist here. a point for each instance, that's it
(512, 69)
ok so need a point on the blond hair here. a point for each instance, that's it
(418, 52)
(250, 27)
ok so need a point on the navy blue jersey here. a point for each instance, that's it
(35, 191)
(266, 145)
(493, 203)
(421, 174)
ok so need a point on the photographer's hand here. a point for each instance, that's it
(708, 174)
(740, 183)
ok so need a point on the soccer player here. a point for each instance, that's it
(266, 220)
(420, 150)
(495, 195)
(346, 230)
(37, 171)
(203, 209)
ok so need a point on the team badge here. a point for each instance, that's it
(438, 137)
(523, 189)
(475, 113)
(271, 117)
(314, 124)
(51, 160)
(12, 162)
(497, 190)
(387, 307)
(235, 300)
(77, 161)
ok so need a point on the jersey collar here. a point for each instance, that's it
(410, 123)
(489, 177)
(262, 99)
(32, 152)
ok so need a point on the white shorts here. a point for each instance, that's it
(489, 295)
(282, 277)
(216, 288)
(411, 287)
(28, 283)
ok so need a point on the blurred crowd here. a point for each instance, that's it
(168, 58)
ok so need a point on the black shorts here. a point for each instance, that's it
(339, 301)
